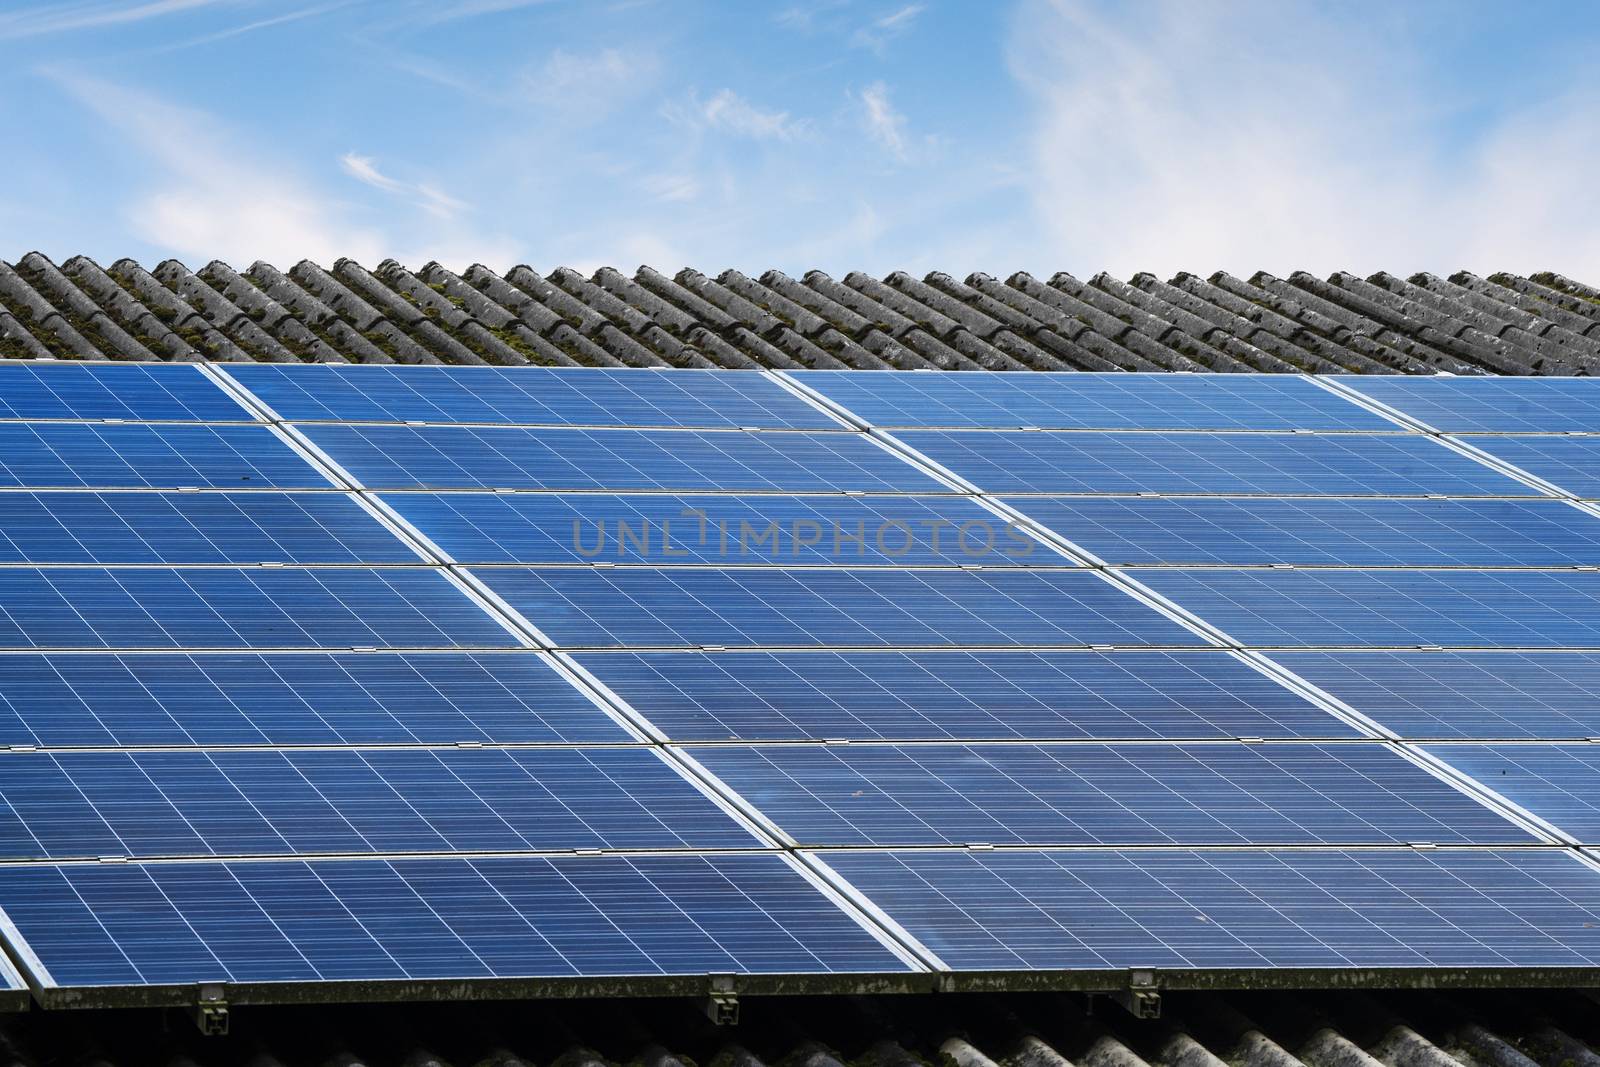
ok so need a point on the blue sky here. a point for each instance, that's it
(838, 134)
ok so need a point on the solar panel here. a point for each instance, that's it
(308, 698)
(1214, 464)
(1319, 531)
(1115, 401)
(335, 607)
(1458, 695)
(144, 527)
(463, 457)
(1396, 608)
(1487, 404)
(144, 391)
(1570, 463)
(51, 455)
(1083, 909)
(1556, 782)
(528, 396)
(199, 804)
(669, 529)
(910, 696)
(754, 606)
(122, 925)
(1280, 793)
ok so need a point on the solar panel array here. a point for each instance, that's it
(351, 681)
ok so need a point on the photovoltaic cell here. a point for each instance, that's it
(666, 529)
(909, 696)
(97, 925)
(529, 396)
(123, 527)
(1400, 608)
(1091, 401)
(1211, 464)
(1089, 794)
(63, 455)
(1489, 404)
(1331, 531)
(1570, 463)
(1315, 908)
(199, 804)
(463, 457)
(141, 391)
(310, 698)
(1558, 783)
(754, 606)
(1461, 695)
(135, 608)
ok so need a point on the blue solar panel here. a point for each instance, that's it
(1284, 793)
(451, 918)
(335, 607)
(147, 391)
(1463, 695)
(49, 455)
(1570, 463)
(461, 457)
(1558, 783)
(910, 696)
(1488, 404)
(690, 607)
(1357, 533)
(144, 527)
(1217, 464)
(529, 396)
(1092, 401)
(200, 804)
(1399, 608)
(1094, 910)
(668, 529)
(314, 698)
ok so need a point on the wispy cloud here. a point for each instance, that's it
(365, 170)
(1197, 136)
(882, 122)
(672, 188)
(259, 24)
(64, 18)
(731, 112)
(877, 34)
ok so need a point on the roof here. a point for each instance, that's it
(1464, 324)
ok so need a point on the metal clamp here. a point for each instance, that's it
(1141, 999)
(210, 1011)
(721, 1005)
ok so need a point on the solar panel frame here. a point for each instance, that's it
(1486, 403)
(83, 455)
(1271, 794)
(1089, 400)
(1571, 462)
(147, 392)
(655, 607)
(527, 396)
(1323, 531)
(1209, 464)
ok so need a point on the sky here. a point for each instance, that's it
(875, 135)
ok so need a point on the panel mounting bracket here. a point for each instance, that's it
(210, 1010)
(721, 1004)
(1142, 999)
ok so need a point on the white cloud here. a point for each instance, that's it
(880, 31)
(1284, 137)
(206, 195)
(731, 112)
(672, 188)
(883, 123)
(62, 18)
(365, 170)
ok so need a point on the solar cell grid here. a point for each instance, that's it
(672, 529)
(140, 391)
(199, 804)
(62, 455)
(766, 606)
(1572, 464)
(1394, 608)
(182, 528)
(907, 696)
(1559, 783)
(99, 925)
(1489, 403)
(461, 457)
(310, 698)
(1460, 695)
(1331, 531)
(586, 396)
(1090, 794)
(1211, 464)
(1256, 909)
(1115, 401)
(190, 608)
